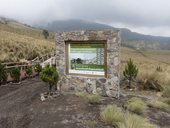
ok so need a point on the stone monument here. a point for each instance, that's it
(89, 61)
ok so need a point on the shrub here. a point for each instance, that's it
(29, 71)
(134, 121)
(93, 98)
(136, 105)
(3, 74)
(38, 68)
(130, 72)
(50, 76)
(15, 74)
(112, 115)
(166, 91)
(160, 105)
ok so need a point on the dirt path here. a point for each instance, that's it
(20, 107)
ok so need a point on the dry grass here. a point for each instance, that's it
(147, 62)
(160, 105)
(137, 106)
(112, 115)
(19, 42)
(134, 121)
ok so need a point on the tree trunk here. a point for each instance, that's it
(50, 88)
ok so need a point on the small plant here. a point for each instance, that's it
(50, 76)
(93, 98)
(134, 121)
(112, 115)
(15, 74)
(3, 74)
(160, 105)
(38, 68)
(159, 69)
(29, 71)
(130, 72)
(89, 123)
(136, 105)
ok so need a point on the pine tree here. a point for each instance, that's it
(45, 33)
(130, 71)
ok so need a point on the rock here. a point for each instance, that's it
(42, 97)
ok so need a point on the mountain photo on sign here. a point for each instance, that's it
(87, 58)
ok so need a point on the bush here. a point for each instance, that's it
(166, 91)
(50, 76)
(29, 71)
(130, 72)
(38, 68)
(3, 74)
(160, 105)
(137, 106)
(15, 74)
(112, 115)
(93, 98)
(134, 121)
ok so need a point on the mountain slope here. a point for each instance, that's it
(20, 42)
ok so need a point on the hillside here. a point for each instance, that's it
(21, 42)
(129, 38)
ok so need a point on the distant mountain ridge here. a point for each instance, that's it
(129, 38)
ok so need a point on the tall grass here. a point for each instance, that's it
(22, 43)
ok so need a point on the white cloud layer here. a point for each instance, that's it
(145, 16)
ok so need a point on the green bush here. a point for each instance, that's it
(130, 72)
(93, 98)
(136, 105)
(112, 115)
(28, 71)
(3, 74)
(134, 121)
(50, 76)
(166, 91)
(38, 68)
(160, 105)
(15, 74)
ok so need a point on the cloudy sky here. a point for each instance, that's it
(144, 16)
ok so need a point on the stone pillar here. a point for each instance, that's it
(106, 85)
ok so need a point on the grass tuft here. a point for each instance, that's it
(112, 115)
(134, 121)
(93, 98)
(89, 123)
(137, 106)
(160, 105)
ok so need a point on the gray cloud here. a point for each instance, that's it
(147, 16)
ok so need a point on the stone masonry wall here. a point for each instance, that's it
(105, 86)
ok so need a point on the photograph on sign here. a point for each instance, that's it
(87, 58)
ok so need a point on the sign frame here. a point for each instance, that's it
(67, 43)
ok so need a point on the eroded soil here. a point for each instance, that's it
(21, 107)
